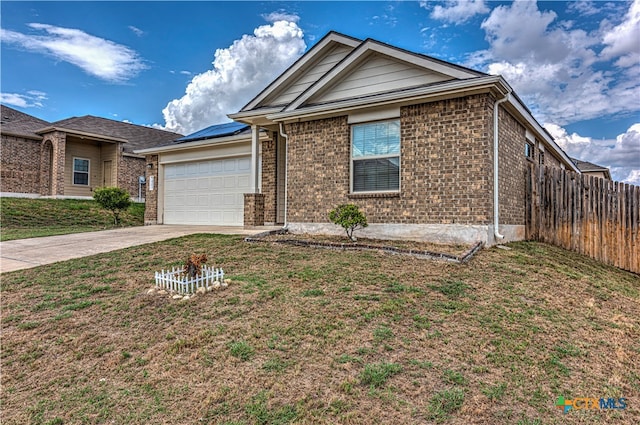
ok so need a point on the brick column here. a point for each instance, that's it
(253, 209)
(269, 179)
(58, 142)
(151, 191)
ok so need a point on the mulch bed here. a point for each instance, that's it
(417, 249)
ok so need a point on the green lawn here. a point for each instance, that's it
(306, 335)
(28, 218)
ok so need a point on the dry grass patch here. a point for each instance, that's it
(320, 336)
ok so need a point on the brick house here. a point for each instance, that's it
(429, 150)
(71, 157)
(591, 169)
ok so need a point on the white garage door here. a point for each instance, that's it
(206, 192)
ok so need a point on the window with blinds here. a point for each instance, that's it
(375, 156)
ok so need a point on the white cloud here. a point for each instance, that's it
(554, 66)
(96, 56)
(621, 155)
(280, 16)
(137, 31)
(239, 72)
(623, 40)
(33, 98)
(583, 7)
(457, 11)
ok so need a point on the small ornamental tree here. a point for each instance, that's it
(349, 217)
(193, 266)
(113, 199)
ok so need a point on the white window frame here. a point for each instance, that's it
(369, 157)
(73, 171)
(529, 150)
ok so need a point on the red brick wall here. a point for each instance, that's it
(151, 196)
(445, 167)
(20, 159)
(511, 169)
(130, 169)
(269, 180)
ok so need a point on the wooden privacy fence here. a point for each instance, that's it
(596, 217)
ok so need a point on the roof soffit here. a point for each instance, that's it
(436, 70)
(296, 71)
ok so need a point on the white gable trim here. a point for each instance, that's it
(402, 97)
(284, 78)
(366, 48)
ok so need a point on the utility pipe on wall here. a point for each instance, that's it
(286, 176)
(496, 200)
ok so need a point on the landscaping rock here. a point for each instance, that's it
(177, 297)
(151, 291)
(162, 292)
(216, 285)
(201, 290)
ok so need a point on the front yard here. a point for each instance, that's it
(306, 335)
(30, 218)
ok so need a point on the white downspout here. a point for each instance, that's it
(496, 200)
(286, 175)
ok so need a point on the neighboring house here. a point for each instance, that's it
(591, 169)
(408, 138)
(71, 157)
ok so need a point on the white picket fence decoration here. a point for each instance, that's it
(177, 281)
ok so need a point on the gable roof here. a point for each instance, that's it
(18, 123)
(586, 167)
(375, 67)
(136, 136)
(373, 74)
(331, 49)
(340, 67)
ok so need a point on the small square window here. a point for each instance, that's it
(528, 150)
(81, 171)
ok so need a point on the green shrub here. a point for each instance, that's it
(113, 199)
(349, 217)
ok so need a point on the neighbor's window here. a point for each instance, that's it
(528, 150)
(375, 155)
(81, 171)
(541, 158)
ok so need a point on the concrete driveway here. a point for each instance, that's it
(26, 253)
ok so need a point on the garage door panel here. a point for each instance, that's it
(206, 192)
(243, 182)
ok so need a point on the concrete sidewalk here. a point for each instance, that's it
(26, 253)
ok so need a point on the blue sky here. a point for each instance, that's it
(185, 65)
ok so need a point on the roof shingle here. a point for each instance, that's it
(20, 124)
(137, 136)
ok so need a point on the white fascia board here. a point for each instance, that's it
(239, 138)
(364, 50)
(253, 117)
(541, 132)
(299, 65)
(401, 97)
